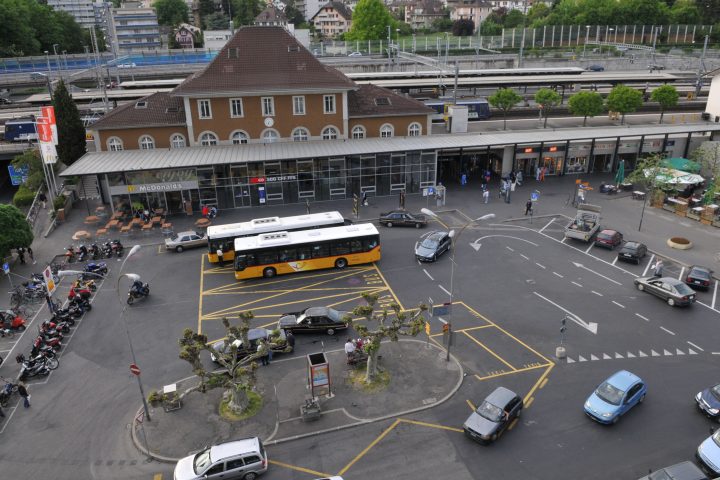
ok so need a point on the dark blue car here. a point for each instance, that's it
(615, 397)
(708, 401)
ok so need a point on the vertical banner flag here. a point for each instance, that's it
(49, 113)
(45, 137)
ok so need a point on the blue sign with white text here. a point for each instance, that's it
(18, 176)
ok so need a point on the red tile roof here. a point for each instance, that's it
(374, 101)
(156, 110)
(263, 59)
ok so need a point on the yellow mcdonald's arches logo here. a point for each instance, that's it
(131, 188)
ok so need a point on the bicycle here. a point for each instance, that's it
(7, 333)
(22, 311)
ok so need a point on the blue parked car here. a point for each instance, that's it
(708, 453)
(708, 402)
(615, 396)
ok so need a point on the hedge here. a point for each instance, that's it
(23, 197)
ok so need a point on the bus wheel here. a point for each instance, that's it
(269, 272)
(340, 263)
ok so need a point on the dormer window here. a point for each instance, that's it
(382, 101)
(141, 104)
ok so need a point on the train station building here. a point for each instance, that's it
(266, 123)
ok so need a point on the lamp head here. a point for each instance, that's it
(428, 212)
(68, 273)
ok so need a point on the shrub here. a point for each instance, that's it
(59, 202)
(23, 197)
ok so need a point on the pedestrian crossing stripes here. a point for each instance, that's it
(639, 354)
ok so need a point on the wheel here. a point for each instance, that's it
(637, 262)
(434, 258)
(519, 412)
(88, 307)
(52, 363)
(21, 328)
(388, 224)
(130, 300)
(9, 334)
(269, 272)
(642, 399)
(250, 476)
(641, 287)
(179, 248)
(671, 302)
(65, 328)
(615, 420)
(330, 331)
(494, 437)
(340, 263)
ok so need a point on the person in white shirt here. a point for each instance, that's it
(349, 348)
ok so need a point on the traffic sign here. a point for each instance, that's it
(535, 196)
(6, 268)
(49, 281)
(134, 369)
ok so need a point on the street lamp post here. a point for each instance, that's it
(47, 59)
(587, 37)
(57, 57)
(454, 237)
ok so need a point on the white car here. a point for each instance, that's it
(355, 54)
(244, 459)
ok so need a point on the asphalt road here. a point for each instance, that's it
(511, 289)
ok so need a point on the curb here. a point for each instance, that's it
(136, 442)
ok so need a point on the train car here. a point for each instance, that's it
(162, 83)
(20, 130)
(487, 72)
(478, 108)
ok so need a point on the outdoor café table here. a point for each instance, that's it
(698, 209)
(92, 219)
(676, 201)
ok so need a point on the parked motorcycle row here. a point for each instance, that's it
(81, 253)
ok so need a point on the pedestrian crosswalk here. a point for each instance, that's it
(664, 352)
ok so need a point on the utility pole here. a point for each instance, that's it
(98, 69)
(701, 69)
(522, 40)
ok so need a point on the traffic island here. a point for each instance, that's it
(679, 243)
(417, 375)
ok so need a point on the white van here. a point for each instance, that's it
(241, 459)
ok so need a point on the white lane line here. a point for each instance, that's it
(509, 248)
(541, 266)
(547, 225)
(715, 353)
(648, 265)
(715, 294)
(591, 326)
(693, 345)
(526, 258)
(644, 318)
(580, 265)
(443, 289)
(597, 293)
(431, 301)
(614, 261)
(668, 331)
(618, 304)
(429, 276)
(682, 270)
(563, 240)
(589, 248)
(558, 275)
(575, 283)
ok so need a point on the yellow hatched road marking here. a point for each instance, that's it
(397, 300)
(367, 449)
(432, 425)
(472, 407)
(540, 380)
(157, 476)
(314, 473)
(200, 302)
(296, 278)
(502, 374)
(489, 351)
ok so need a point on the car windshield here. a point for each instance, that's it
(716, 437)
(609, 394)
(429, 243)
(174, 236)
(684, 289)
(716, 391)
(630, 247)
(489, 411)
(699, 273)
(604, 236)
(202, 461)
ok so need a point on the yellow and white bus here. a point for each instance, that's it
(223, 236)
(270, 254)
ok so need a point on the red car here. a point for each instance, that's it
(608, 239)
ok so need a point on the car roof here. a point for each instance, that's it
(437, 235)
(315, 311)
(258, 333)
(189, 232)
(672, 281)
(237, 447)
(607, 231)
(623, 379)
(500, 396)
(700, 268)
(685, 471)
(632, 244)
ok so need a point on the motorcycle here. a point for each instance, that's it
(83, 293)
(32, 367)
(94, 252)
(117, 248)
(107, 251)
(10, 321)
(70, 254)
(41, 340)
(99, 268)
(83, 253)
(138, 290)
(44, 350)
(85, 285)
(81, 305)
(6, 392)
(49, 327)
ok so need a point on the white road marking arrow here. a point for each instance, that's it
(580, 265)
(476, 244)
(589, 326)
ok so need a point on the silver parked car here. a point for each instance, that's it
(244, 459)
(672, 290)
(181, 241)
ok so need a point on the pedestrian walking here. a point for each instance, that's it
(364, 199)
(537, 173)
(542, 174)
(463, 179)
(262, 352)
(32, 256)
(658, 268)
(205, 211)
(487, 176)
(21, 255)
(519, 178)
(528, 207)
(43, 199)
(486, 195)
(221, 260)
(22, 391)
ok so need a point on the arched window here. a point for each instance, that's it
(177, 140)
(208, 138)
(414, 130)
(270, 135)
(358, 131)
(386, 131)
(115, 144)
(239, 137)
(147, 142)
(300, 134)
(330, 133)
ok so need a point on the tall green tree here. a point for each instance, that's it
(171, 12)
(514, 19)
(15, 231)
(685, 12)
(245, 11)
(708, 156)
(71, 132)
(547, 98)
(18, 36)
(206, 7)
(293, 14)
(624, 100)
(586, 104)
(371, 19)
(504, 99)
(667, 96)
(647, 173)
(215, 21)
